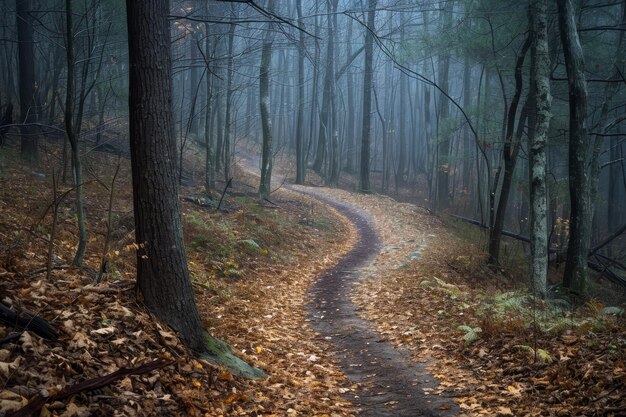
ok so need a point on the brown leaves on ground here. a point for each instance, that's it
(427, 283)
(253, 299)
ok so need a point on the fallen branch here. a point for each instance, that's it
(33, 408)
(599, 266)
(608, 240)
(28, 321)
(224, 193)
(45, 268)
(11, 337)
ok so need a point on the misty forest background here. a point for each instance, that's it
(463, 106)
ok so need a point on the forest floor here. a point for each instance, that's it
(254, 267)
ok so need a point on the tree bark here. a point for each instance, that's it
(443, 146)
(509, 156)
(264, 104)
(364, 178)
(162, 271)
(300, 161)
(575, 274)
(29, 144)
(229, 99)
(209, 158)
(540, 91)
(325, 126)
(72, 131)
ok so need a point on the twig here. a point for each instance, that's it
(55, 218)
(33, 408)
(224, 193)
(107, 239)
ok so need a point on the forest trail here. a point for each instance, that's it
(390, 382)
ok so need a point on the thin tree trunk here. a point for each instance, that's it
(509, 157)
(300, 161)
(443, 148)
(364, 178)
(72, 132)
(209, 158)
(29, 144)
(264, 99)
(229, 99)
(575, 274)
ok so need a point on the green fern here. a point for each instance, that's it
(540, 354)
(471, 334)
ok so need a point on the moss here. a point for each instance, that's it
(220, 352)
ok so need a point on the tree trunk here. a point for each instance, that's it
(467, 102)
(264, 104)
(333, 131)
(300, 161)
(72, 132)
(162, 272)
(29, 144)
(209, 158)
(364, 178)
(443, 147)
(575, 274)
(509, 157)
(350, 132)
(325, 128)
(194, 85)
(540, 120)
(229, 99)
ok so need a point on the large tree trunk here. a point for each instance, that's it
(364, 178)
(162, 272)
(29, 145)
(264, 104)
(575, 275)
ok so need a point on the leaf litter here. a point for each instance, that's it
(259, 310)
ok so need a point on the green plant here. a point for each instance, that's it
(539, 354)
(471, 334)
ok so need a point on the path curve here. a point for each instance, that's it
(390, 383)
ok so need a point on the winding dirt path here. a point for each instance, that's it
(390, 383)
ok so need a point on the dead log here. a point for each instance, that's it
(33, 408)
(11, 337)
(27, 321)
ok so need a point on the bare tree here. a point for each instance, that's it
(364, 179)
(575, 274)
(264, 98)
(27, 83)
